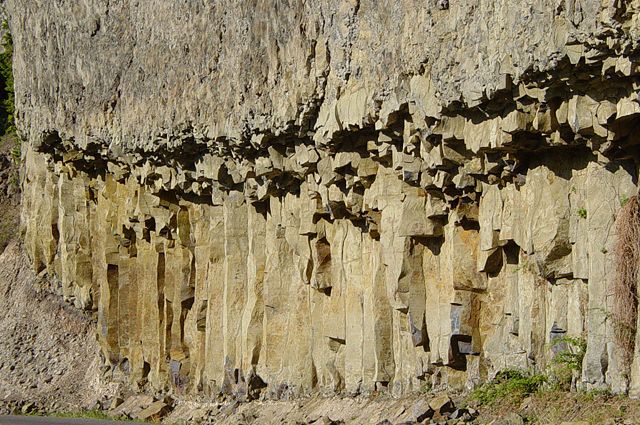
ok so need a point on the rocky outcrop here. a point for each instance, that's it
(261, 198)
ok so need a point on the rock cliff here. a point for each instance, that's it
(289, 197)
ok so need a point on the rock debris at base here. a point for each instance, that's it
(438, 409)
(49, 359)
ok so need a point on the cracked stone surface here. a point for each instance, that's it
(264, 199)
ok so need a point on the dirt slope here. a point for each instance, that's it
(48, 353)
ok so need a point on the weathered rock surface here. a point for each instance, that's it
(337, 197)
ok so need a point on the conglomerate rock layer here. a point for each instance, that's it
(288, 197)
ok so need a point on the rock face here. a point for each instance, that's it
(280, 199)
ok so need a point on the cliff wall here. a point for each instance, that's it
(284, 198)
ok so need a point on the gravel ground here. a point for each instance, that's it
(49, 358)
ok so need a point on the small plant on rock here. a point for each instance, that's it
(623, 200)
(567, 361)
(16, 153)
(571, 353)
(426, 388)
(582, 213)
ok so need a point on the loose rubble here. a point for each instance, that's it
(49, 359)
(315, 411)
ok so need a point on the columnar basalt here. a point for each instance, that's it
(344, 210)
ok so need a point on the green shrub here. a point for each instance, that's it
(566, 364)
(582, 213)
(512, 384)
(8, 133)
(7, 96)
(572, 355)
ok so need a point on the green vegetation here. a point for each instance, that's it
(7, 96)
(9, 140)
(426, 388)
(566, 365)
(513, 384)
(594, 394)
(571, 357)
(543, 399)
(92, 414)
(623, 200)
(9, 144)
(582, 213)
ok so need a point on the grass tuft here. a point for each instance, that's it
(582, 213)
